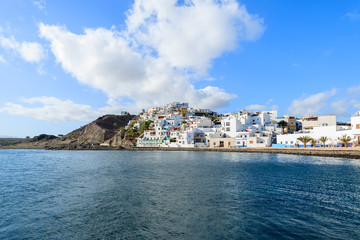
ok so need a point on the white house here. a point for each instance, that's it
(332, 132)
(319, 121)
(355, 126)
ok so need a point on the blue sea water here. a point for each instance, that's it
(177, 195)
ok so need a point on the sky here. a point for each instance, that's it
(65, 63)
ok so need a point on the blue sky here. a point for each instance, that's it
(64, 63)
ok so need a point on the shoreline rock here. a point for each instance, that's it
(351, 153)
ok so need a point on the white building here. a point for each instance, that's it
(319, 121)
(323, 129)
(188, 138)
(355, 126)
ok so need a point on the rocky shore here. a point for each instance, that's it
(352, 153)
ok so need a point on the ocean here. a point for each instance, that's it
(177, 195)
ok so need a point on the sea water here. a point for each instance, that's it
(177, 195)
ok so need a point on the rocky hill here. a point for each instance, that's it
(88, 136)
(99, 130)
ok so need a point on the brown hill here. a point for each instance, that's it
(96, 132)
(100, 130)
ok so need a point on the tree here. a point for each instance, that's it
(304, 140)
(323, 139)
(283, 124)
(145, 125)
(313, 142)
(345, 140)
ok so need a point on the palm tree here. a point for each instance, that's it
(323, 139)
(283, 125)
(304, 140)
(345, 140)
(313, 142)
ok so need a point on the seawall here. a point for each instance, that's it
(353, 153)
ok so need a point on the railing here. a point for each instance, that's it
(157, 141)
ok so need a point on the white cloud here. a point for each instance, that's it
(164, 47)
(29, 51)
(269, 101)
(256, 107)
(2, 59)
(53, 109)
(353, 16)
(339, 108)
(190, 36)
(355, 103)
(355, 90)
(32, 52)
(40, 4)
(310, 105)
(274, 107)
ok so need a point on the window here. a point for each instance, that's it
(292, 142)
(357, 126)
(227, 124)
(228, 129)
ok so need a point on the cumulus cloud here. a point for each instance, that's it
(192, 34)
(256, 107)
(29, 51)
(164, 47)
(310, 105)
(53, 109)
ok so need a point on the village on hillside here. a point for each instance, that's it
(179, 125)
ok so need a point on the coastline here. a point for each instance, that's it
(352, 153)
(338, 152)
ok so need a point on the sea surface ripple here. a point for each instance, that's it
(177, 195)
